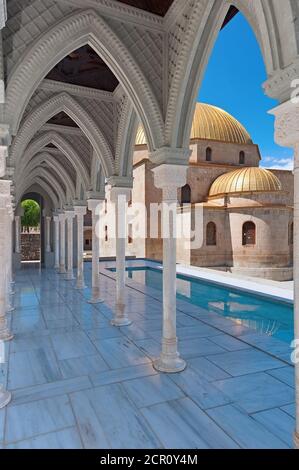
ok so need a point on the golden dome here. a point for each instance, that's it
(211, 123)
(245, 180)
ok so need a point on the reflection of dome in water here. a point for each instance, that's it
(211, 123)
(245, 180)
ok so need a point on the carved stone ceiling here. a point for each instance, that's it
(159, 7)
(83, 67)
(62, 119)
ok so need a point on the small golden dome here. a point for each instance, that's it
(245, 180)
(211, 123)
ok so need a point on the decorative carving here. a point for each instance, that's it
(80, 28)
(169, 178)
(287, 124)
(63, 102)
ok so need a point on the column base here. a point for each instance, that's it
(80, 285)
(62, 270)
(6, 335)
(5, 397)
(95, 301)
(169, 364)
(121, 321)
(70, 276)
(296, 440)
(121, 318)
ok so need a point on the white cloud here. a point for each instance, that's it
(272, 163)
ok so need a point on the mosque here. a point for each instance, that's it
(247, 211)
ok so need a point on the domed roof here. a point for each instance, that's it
(211, 123)
(245, 180)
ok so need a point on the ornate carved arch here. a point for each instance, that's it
(37, 144)
(43, 176)
(42, 113)
(76, 30)
(56, 166)
(203, 28)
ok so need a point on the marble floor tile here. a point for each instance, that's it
(22, 343)
(196, 429)
(256, 392)
(205, 394)
(49, 390)
(38, 417)
(148, 391)
(280, 424)
(150, 347)
(243, 429)
(206, 369)
(289, 409)
(65, 439)
(32, 367)
(135, 332)
(245, 362)
(98, 334)
(79, 366)
(229, 343)
(122, 375)
(120, 352)
(103, 415)
(27, 323)
(285, 374)
(70, 345)
(198, 347)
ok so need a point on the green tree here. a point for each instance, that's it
(31, 217)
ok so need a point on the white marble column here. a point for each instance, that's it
(287, 135)
(18, 233)
(62, 269)
(48, 234)
(169, 178)
(70, 214)
(120, 197)
(56, 240)
(80, 211)
(9, 275)
(5, 220)
(94, 205)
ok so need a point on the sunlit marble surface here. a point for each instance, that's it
(78, 382)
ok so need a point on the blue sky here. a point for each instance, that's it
(233, 81)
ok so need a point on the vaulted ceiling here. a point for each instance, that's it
(83, 67)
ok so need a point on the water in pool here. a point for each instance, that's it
(268, 316)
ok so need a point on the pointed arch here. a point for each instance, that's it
(49, 108)
(42, 176)
(203, 29)
(45, 191)
(74, 31)
(56, 166)
(126, 140)
(52, 137)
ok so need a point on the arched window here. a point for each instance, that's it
(211, 234)
(208, 154)
(242, 157)
(186, 194)
(291, 233)
(248, 234)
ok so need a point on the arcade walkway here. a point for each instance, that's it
(78, 382)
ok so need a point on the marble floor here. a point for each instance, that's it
(78, 382)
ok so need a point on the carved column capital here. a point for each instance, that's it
(286, 124)
(80, 210)
(169, 178)
(171, 156)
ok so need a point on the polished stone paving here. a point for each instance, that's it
(78, 382)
